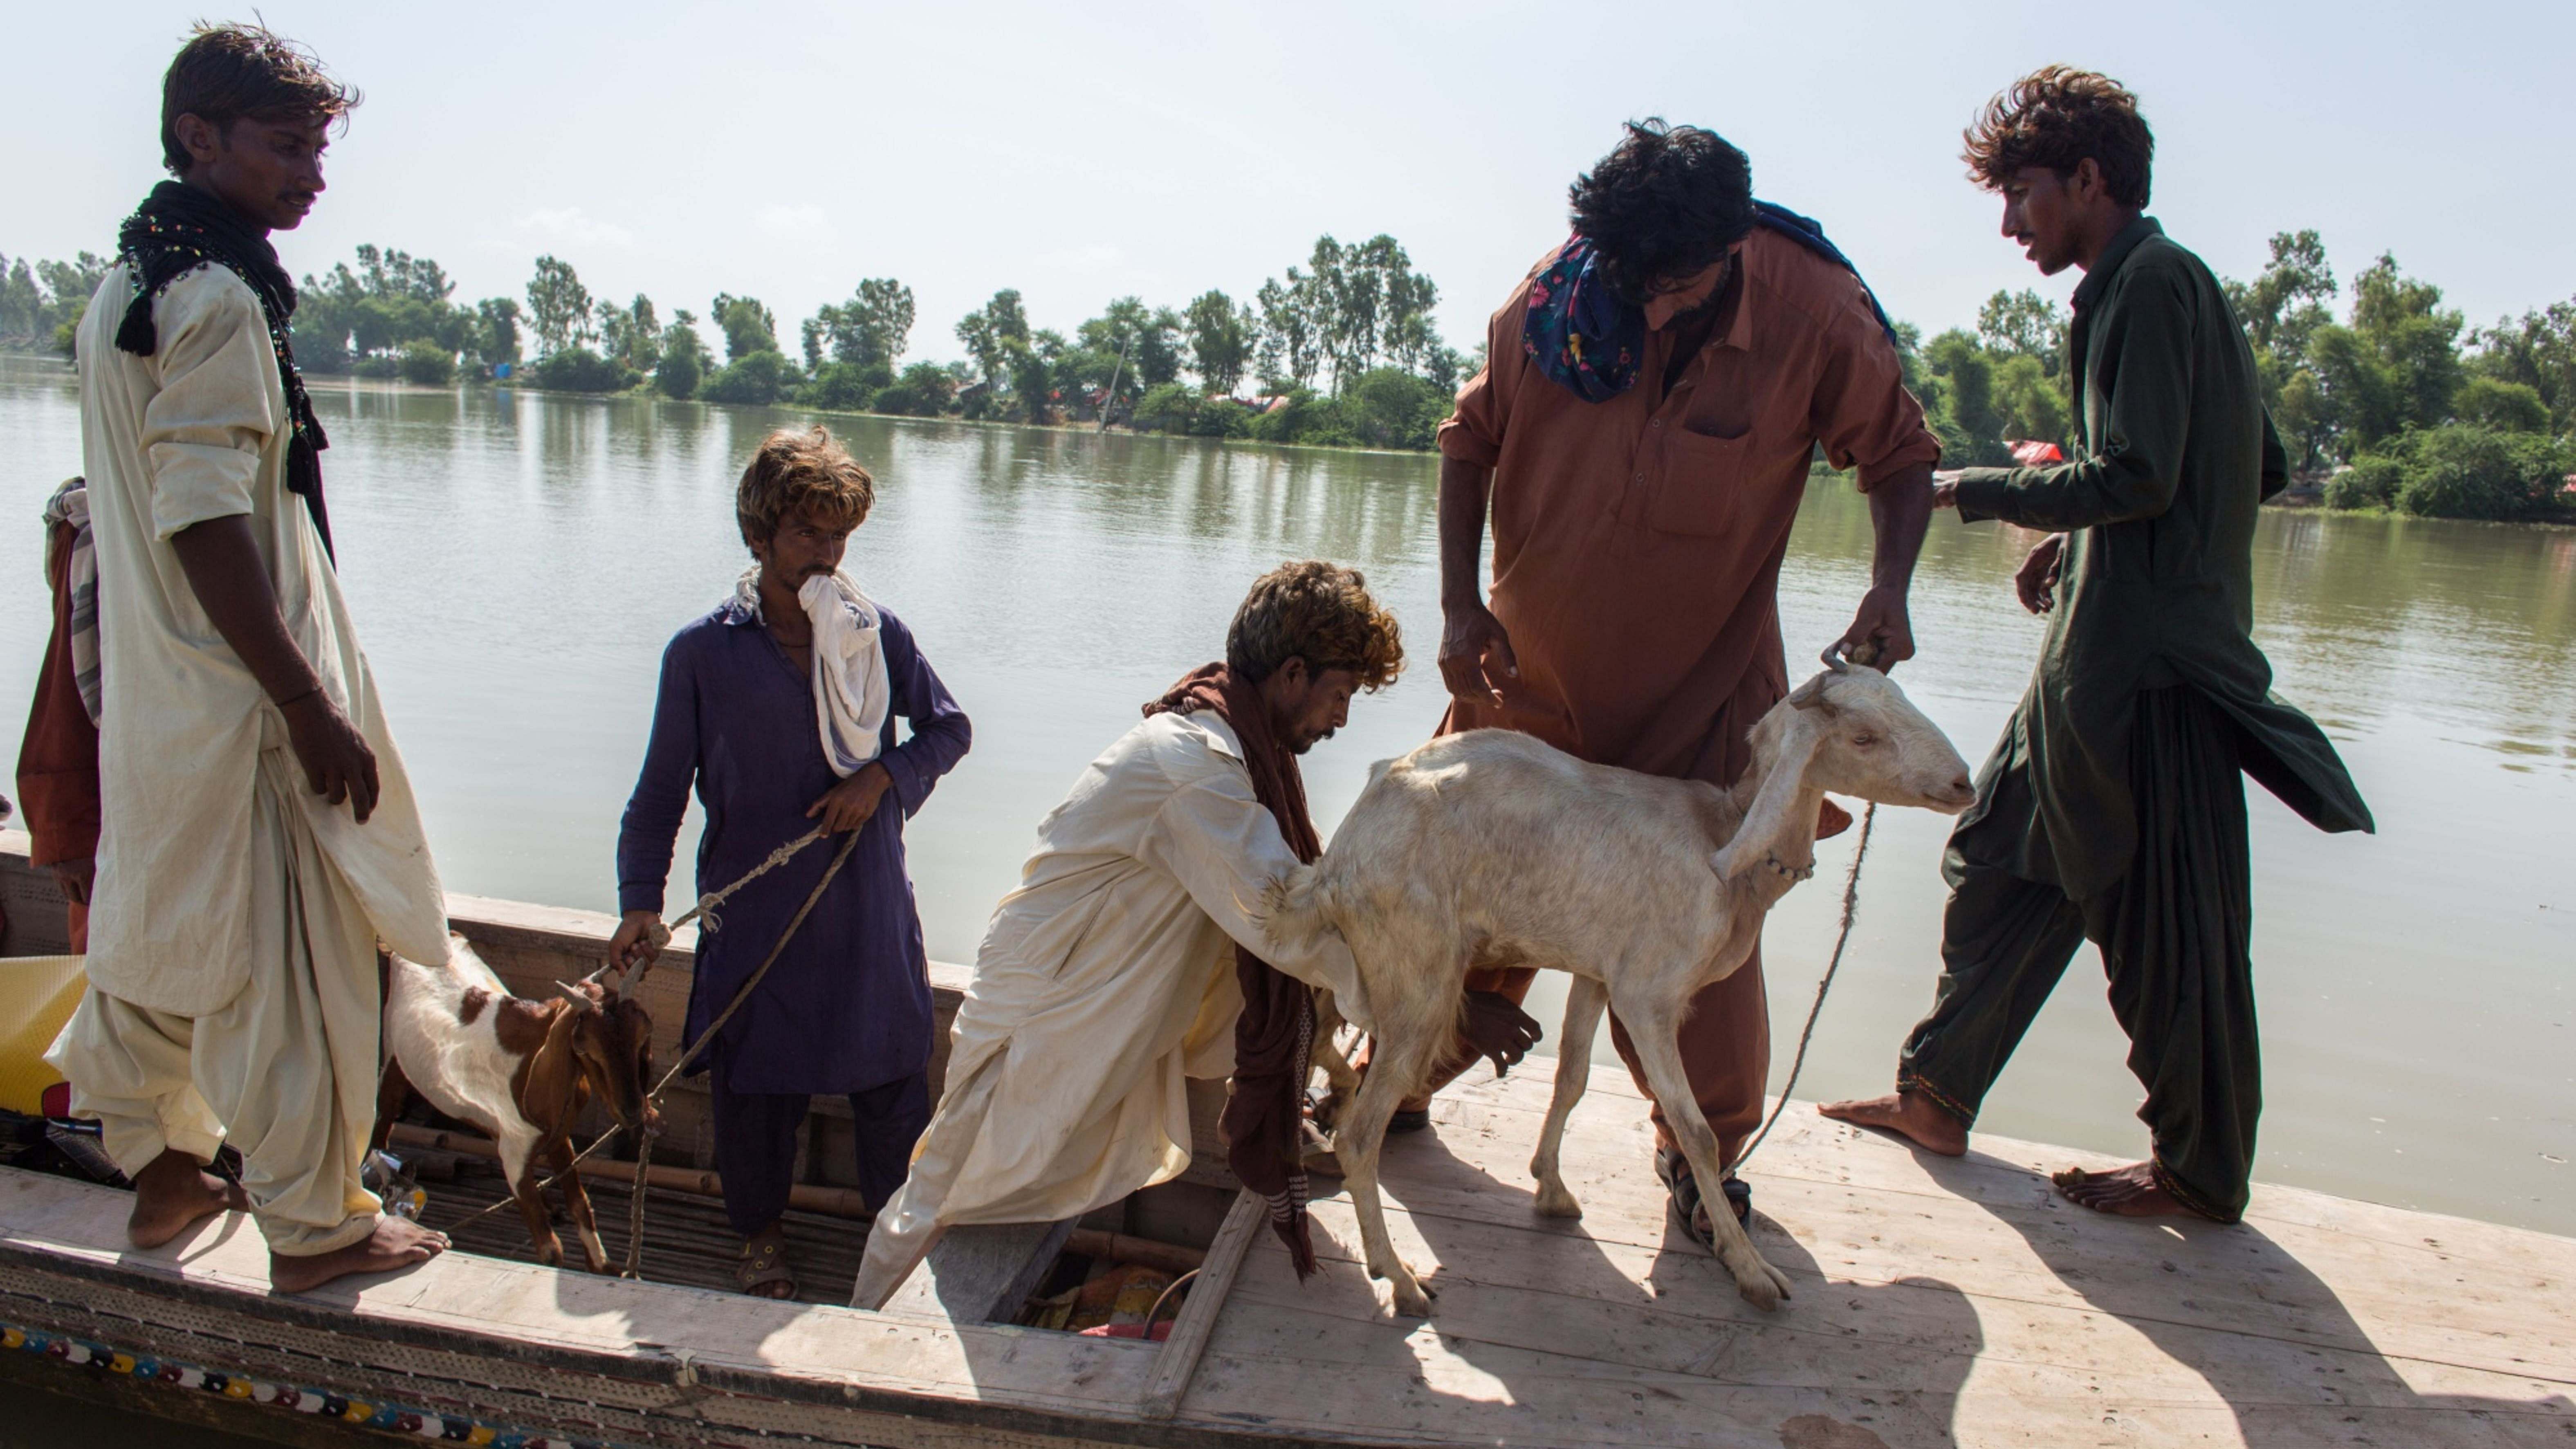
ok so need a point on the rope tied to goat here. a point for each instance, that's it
(1834, 963)
(1835, 654)
(661, 934)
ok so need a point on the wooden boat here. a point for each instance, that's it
(1937, 1302)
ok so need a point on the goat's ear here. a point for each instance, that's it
(1767, 824)
(1811, 695)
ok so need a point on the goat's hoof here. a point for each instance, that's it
(1558, 1203)
(1765, 1290)
(1412, 1300)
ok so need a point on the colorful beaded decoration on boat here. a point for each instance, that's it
(357, 1412)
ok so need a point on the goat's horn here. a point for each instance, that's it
(624, 984)
(635, 977)
(1833, 657)
(576, 995)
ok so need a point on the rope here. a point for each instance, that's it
(662, 936)
(1175, 1286)
(707, 904)
(578, 1159)
(635, 1209)
(1851, 907)
(739, 997)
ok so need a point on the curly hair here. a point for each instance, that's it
(1318, 612)
(1664, 205)
(227, 73)
(2057, 116)
(797, 472)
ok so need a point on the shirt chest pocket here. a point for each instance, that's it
(1701, 489)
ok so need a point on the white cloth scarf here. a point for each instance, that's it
(851, 694)
(70, 504)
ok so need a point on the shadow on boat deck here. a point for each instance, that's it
(1617, 1328)
(2295, 1333)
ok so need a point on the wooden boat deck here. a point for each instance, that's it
(1937, 1302)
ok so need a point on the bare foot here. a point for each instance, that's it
(173, 1191)
(1909, 1115)
(395, 1244)
(2129, 1192)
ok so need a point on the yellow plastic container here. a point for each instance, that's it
(37, 994)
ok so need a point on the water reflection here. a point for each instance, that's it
(518, 560)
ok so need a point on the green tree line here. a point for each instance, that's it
(2393, 402)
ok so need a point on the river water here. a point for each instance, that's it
(516, 562)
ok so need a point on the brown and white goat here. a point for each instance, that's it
(520, 1069)
(1493, 845)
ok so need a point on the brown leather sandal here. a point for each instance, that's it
(764, 1266)
(1683, 1185)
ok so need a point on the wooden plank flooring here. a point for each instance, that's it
(686, 1238)
(1937, 1302)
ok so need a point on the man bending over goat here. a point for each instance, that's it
(1129, 959)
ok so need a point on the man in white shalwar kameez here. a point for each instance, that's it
(1110, 976)
(259, 835)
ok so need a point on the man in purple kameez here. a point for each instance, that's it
(780, 707)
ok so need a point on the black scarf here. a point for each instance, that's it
(179, 229)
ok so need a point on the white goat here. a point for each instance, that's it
(1491, 845)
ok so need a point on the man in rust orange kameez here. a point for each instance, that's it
(1654, 393)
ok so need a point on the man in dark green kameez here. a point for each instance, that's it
(2113, 809)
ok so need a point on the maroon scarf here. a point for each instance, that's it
(1264, 1105)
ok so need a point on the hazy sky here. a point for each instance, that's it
(1084, 152)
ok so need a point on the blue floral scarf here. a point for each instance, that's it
(1591, 341)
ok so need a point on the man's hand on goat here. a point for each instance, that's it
(849, 804)
(1881, 633)
(1496, 1029)
(2036, 579)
